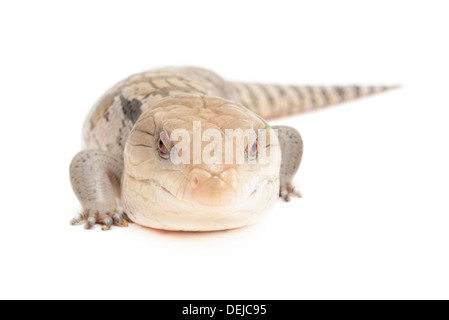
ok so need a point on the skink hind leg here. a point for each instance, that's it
(292, 148)
(96, 177)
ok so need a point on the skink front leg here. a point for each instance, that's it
(292, 149)
(96, 177)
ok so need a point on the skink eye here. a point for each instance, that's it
(254, 149)
(163, 151)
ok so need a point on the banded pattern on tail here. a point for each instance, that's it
(272, 101)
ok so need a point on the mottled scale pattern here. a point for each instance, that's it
(117, 111)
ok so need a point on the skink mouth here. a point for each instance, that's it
(222, 201)
(166, 190)
(259, 186)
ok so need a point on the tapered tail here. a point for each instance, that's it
(272, 101)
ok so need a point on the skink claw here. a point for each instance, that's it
(120, 219)
(90, 222)
(107, 219)
(287, 191)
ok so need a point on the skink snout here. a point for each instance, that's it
(213, 189)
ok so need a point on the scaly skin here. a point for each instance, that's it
(122, 166)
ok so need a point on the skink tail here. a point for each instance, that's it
(273, 101)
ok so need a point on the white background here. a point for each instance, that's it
(374, 219)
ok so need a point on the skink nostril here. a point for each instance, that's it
(197, 177)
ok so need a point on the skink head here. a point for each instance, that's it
(201, 156)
